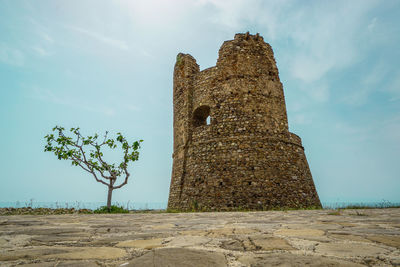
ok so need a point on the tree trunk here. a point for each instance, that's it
(110, 189)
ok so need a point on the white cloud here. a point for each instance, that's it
(320, 93)
(327, 40)
(346, 128)
(41, 51)
(11, 56)
(394, 87)
(156, 13)
(131, 107)
(102, 110)
(46, 37)
(371, 82)
(391, 130)
(50, 97)
(300, 119)
(323, 36)
(372, 24)
(102, 38)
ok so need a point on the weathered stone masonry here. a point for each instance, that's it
(245, 157)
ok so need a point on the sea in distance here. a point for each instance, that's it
(162, 205)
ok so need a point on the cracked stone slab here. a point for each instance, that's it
(62, 264)
(60, 238)
(349, 249)
(349, 237)
(235, 245)
(30, 253)
(221, 232)
(71, 253)
(144, 244)
(41, 264)
(271, 243)
(299, 232)
(4, 243)
(163, 226)
(48, 231)
(287, 259)
(181, 257)
(187, 241)
(15, 241)
(245, 231)
(77, 264)
(115, 239)
(194, 232)
(391, 241)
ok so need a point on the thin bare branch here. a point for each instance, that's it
(127, 174)
(92, 167)
(125, 181)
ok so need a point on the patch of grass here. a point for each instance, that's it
(373, 205)
(360, 206)
(294, 208)
(178, 59)
(366, 206)
(172, 211)
(42, 211)
(113, 209)
(195, 207)
(335, 212)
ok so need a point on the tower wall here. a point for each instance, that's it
(185, 71)
(246, 157)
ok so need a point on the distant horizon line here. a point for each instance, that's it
(163, 205)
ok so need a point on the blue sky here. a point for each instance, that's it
(108, 65)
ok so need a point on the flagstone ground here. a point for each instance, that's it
(368, 237)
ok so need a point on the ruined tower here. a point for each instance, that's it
(232, 145)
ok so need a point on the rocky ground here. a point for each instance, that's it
(280, 238)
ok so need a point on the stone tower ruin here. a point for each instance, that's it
(232, 145)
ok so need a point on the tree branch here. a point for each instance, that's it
(124, 167)
(91, 168)
(102, 161)
(125, 181)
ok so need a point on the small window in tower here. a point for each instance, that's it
(201, 116)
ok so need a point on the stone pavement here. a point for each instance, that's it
(368, 237)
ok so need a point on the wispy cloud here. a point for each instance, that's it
(46, 37)
(232, 15)
(372, 24)
(323, 37)
(102, 38)
(43, 42)
(131, 107)
(158, 14)
(394, 87)
(11, 56)
(301, 119)
(50, 97)
(371, 82)
(391, 130)
(41, 51)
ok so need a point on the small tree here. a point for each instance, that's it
(86, 153)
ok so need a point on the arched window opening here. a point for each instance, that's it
(201, 116)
